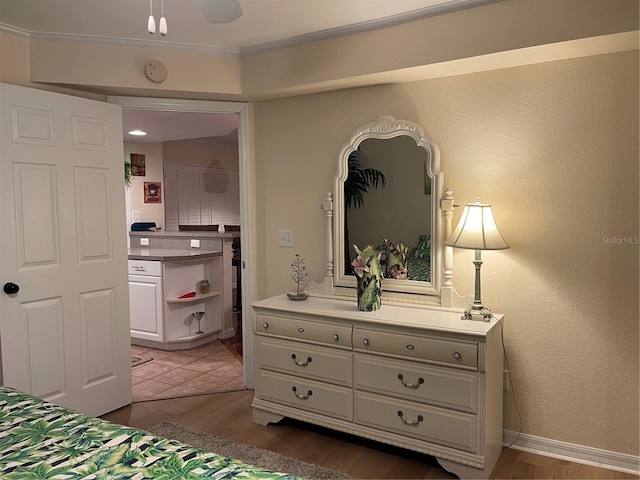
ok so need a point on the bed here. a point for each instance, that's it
(42, 440)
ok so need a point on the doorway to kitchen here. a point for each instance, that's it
(216, 365)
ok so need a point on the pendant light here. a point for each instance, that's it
(151, 24)
(163, 21)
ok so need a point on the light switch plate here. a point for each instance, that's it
(285, 238)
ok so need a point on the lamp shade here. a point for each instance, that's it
(477, 229)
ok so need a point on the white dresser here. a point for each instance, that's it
(414, 377)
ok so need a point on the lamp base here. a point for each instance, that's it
(482, 313)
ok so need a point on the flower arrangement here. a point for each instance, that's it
(397, 259)
(368, 272)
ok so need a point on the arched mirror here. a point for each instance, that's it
(387, 193)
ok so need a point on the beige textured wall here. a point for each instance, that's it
(15, 66)
(554, 147)
(196, 152)
(149, 212)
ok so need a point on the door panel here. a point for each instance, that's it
(93, 214)
(97, 314)
(36, 199)
(42, 344)
(65, 335)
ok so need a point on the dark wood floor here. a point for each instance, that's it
(229, 415)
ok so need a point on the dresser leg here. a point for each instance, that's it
(264, 418)
(461, 471)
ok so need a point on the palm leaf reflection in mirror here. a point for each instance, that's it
(359, 180)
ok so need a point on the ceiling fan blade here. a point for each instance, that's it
(220, 11)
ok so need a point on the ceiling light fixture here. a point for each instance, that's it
(137, 133)
(151, 23)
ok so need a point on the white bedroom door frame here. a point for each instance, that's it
(247, 283)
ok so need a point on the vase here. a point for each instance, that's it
(369, 277)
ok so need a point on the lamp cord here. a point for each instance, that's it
(511, 387)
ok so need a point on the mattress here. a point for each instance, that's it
(42, 440)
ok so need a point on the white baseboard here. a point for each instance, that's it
(620, 462)
(228, 333)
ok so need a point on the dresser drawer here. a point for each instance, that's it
(301, 359)
(412, 381)
(145, 267)
(432, 424)
(337, 335)
(444, 352)
(325, 399)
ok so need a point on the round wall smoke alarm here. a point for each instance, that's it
(156, 71)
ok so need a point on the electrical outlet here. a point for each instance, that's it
(195, 243)
(144, 242)
(505, 380)
(135, 215)
(285, 238)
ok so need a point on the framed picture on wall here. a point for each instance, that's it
(137, 164)
(152, 192)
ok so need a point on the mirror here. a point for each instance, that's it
(400, 207)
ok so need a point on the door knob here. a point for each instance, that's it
(10, 288)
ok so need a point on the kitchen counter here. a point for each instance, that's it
(168, 254)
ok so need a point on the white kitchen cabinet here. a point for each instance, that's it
(159, 317)
(417, 378)
(146, 300)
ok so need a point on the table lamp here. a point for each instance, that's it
(477, 230)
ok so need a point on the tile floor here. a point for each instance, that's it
(205, 369)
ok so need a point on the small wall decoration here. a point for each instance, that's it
(137, 164)
(152, 192)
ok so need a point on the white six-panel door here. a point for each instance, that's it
(65, 334)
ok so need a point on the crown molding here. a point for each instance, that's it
(448, 7)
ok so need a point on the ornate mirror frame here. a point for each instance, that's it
(439, 291)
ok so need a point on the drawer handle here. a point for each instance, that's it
(410, 347)
(137, 268)
(366, 341)
(457, 355)
(301, 330)
(335, 337)
(302, 396)
(300, 364)
(265, 325)
(410, 385)
(410, 422)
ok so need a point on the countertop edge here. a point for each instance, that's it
(167, 255)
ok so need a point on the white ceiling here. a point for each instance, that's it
(167, 126)
(264, 24)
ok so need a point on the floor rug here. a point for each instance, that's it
(247, 453)
(138, 360)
